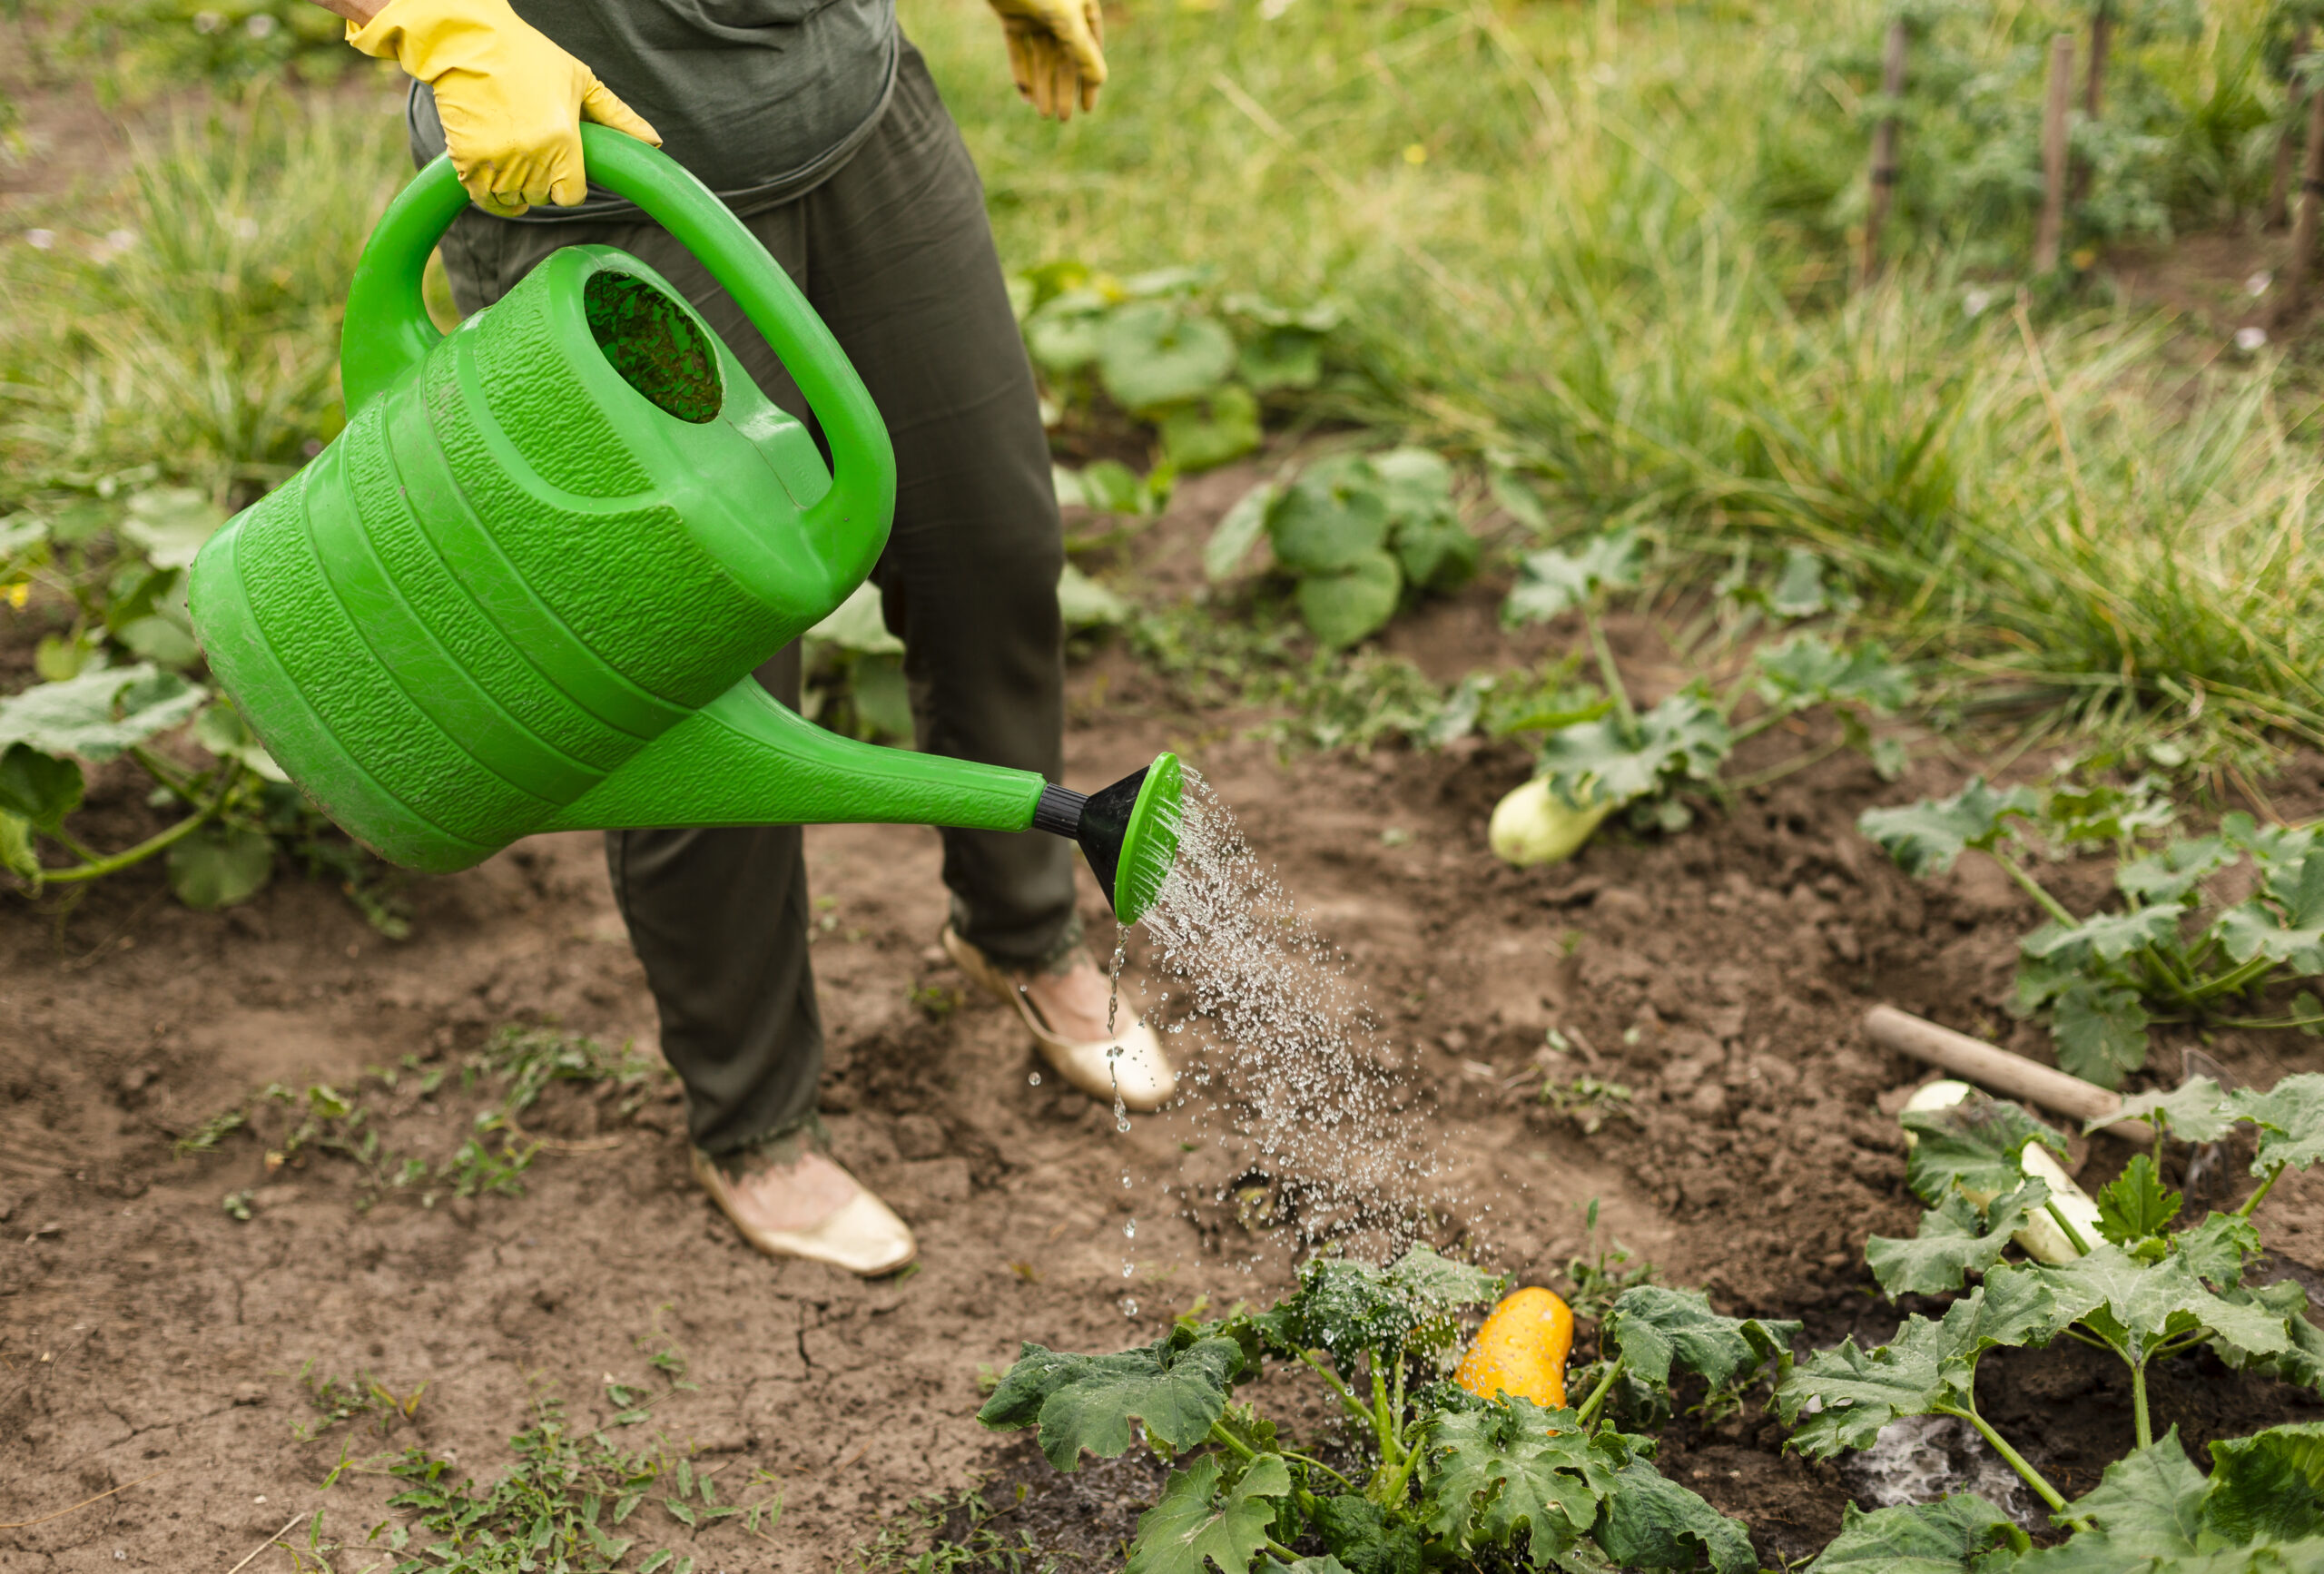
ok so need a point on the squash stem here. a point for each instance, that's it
(2010, 1456)
(98, 869)
(2032, 888)
(1588, 1414)
(2073, 1235)
(1355, 1408)
(1219, 1434)
(2139, 1417)
(1608, 671)
(2254, 1200)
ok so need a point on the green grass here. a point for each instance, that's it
(1566, 244)
(1604, 246)
(189, 328)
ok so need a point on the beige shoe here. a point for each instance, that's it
(863, 1236)
(1131, 1065)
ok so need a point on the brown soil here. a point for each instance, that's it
(147, 1337)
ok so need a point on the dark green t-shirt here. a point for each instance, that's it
(761, 99)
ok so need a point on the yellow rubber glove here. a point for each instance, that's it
(1053, 51)
(511, 101)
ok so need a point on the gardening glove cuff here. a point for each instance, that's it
(1054, 51)
(511, 101)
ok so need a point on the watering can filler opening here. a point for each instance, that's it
(525, 589)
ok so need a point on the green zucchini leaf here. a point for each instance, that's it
(99, 714)
(1088, 1401)
(1961, 1534)
(1805, 671)
(1514, 1475)
(2100, 1031)
(2135, 1306)
(1657, 1329)
(1153, 353)
(1333, 517)
(1604, 761)
(37, 787)
(2170, 876)
(2291, 1118)
(1954, 1240)
(1554, 583)
(2151, 1498)
(219, 865)
(1347, 1307)
(2135, 1204)
(1973, 1145)
(1345, 605)
(1925, 838)
(2195, 1111)
(1237, 531)
(2268, 1485)
(1928, 1368)
(1196, 1526)
(1650, 1521)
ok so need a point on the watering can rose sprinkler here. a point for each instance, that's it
(526, 588)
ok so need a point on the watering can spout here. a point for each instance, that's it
(1129, 832)
(745, 758)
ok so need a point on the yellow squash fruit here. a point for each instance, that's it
(1521, 1350)
(1533, 825)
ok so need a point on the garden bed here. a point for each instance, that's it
(1716, 975)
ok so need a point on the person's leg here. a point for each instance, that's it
(901, 263)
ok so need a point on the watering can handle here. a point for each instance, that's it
(388, 328)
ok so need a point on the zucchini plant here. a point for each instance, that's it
(1616, 756)
(1164, 350)
(2103, 979)
(1358, 535)
(1435, 1477)
(115, 683)
(2152, 1285)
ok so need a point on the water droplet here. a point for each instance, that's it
(1034, 1080)
(1130, 1307)
(1130, 1229)
(1129, 1268)
(1124, 1180)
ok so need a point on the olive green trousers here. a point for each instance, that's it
(895, 253)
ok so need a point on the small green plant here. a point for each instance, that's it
(2151, 1287)
(2104, 979)
(1438, 1477)
(1606, 1273)
(567, 1502)
(1614, 755)
(363, 1397)
(519, 1063)
(1589, 1103)
(1358, 534)
(949, 1533)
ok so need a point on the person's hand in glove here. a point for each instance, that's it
(512, 102)
(1053, 50)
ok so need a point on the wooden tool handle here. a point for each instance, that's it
(1999, 1071)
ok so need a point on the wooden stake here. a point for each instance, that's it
(2101, 34)
(2047, 235)
(1883, 151)
(2303, 228)
(2279, 182)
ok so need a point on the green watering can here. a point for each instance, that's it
(525, 589)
